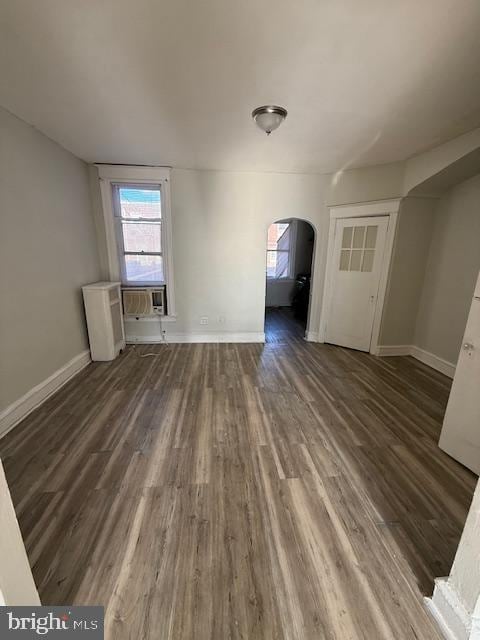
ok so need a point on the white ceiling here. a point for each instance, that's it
(157, 82)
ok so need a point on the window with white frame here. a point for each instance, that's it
(280, 254)
(138, 220)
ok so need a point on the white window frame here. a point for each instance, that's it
(111, 176)
(291, 251)
(118, 220)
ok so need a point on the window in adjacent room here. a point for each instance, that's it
(279, 250)
(138, 219)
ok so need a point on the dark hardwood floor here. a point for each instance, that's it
(281, 325)
(241, 491)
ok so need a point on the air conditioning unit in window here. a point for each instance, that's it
(143, 301)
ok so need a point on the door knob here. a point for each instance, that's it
(468, 346)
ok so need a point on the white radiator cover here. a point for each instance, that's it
(103, 309)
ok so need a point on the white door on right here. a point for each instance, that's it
(460, 435)
(358, 253)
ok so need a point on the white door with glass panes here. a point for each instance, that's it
(359, 247)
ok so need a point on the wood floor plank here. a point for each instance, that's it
(286, 491)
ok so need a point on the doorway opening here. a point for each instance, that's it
(289, 264)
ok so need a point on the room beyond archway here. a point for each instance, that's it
(289, 260)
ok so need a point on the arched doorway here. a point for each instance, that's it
(289, 266)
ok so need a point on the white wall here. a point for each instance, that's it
(47, 252)
(422, 167)
(434, 269)
(465, 573)
(456, 599)
(369, 183)
(16, 581)
(409, 261)
(220, 221)
(451, 272)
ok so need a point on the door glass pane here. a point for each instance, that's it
(344, 259)
(347, 237)
(371, 238)
(139, 203)
(356, 260)
(144, 269)
(142, 236)
(358, 236)
(367, 264)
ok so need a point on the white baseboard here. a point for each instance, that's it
(430, 359)
(394, 350)
(447, 609)
(20, 409)
(445, 367)
(176, 338)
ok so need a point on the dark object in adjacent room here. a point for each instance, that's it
(301, 296)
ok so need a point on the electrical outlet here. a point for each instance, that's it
(203, 319)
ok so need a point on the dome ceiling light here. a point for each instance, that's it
(269, 117)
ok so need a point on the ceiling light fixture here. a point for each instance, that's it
(269, 117)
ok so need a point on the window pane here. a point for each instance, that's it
(371, 237)
(142, 236)
(139, 203)
(281, 269)
(278, 250)
(144, 269)
(358, 236)
(277, 264)
(367, 264)
(271, 263)
(347, 237)
(278, 236)
(356, 260)
(344, 259)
